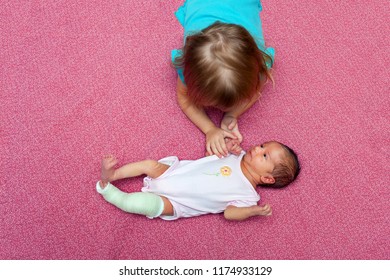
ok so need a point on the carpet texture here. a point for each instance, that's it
(80, 79)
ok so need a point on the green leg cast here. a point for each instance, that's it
(148, 204)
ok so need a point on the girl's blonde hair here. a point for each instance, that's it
(223, 66)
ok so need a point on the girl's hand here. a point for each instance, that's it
(230, 124)
(215, 141)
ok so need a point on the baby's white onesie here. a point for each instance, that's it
(203, 186)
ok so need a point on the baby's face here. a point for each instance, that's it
(263, 158)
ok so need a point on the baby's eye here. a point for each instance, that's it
(265, 156)
(261, 146)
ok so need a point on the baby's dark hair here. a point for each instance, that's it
(223, 66)
(286, 171)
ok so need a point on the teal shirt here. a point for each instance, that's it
(195, 15)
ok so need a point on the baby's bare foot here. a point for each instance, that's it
(108, 170)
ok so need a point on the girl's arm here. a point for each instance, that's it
(241, 213)
(197, 115)
(230, 122)
(215, 143)
(241, 108)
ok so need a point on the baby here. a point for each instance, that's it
(174, 189)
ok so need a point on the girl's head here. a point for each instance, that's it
(223, 66)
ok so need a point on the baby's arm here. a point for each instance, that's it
(241, 213)
(215, 137)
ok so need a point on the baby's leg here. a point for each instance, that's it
(148, 204)
(151, 168)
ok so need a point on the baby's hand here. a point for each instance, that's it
(263, 210)
(233, 146)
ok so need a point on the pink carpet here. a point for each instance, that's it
(79, 79)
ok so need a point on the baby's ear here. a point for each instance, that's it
(267, 179)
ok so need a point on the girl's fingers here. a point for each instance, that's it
(229, 134)
(215, 150)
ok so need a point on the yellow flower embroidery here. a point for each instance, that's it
(226, 171)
